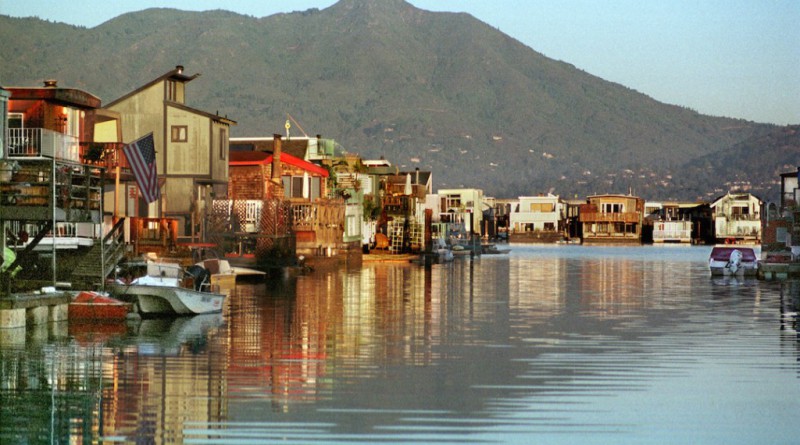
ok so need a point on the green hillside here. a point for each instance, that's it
(439, 91)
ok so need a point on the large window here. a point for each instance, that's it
(612, 208)
(542, 207)
(293, 187)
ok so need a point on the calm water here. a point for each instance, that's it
(546, 345)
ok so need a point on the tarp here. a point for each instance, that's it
(9, 256)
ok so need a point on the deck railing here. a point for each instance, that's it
(27, 143)
(304, 216)
(103, 154)
(672, 234)
(625, 217)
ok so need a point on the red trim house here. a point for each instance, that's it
(251, 177)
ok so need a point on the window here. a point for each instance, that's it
(180, 133)
(293, 187)
(171, 92)
(297, 187)
(352, 226)
(223, 143)
(542, 207)
(740, 211)
(452, 201)
(16, 120)
(612, 208)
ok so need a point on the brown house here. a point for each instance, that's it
(258, 177)
(251, 175)
(612, 219)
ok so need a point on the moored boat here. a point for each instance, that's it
(95, 306)
(729, 260)
(168, 289)
(491, 249)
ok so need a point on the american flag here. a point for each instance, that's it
(141, 155)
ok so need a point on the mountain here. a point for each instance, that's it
(439, 91)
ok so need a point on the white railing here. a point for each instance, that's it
(672, 234)
(41, 143)
(252, 216)
(739, 228)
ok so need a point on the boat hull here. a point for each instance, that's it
(167, 300)
(746, 270)
(733, 261)
(93, 306)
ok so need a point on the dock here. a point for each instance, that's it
(778, 270)
(30, 309)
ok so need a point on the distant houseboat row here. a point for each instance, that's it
(73, 204)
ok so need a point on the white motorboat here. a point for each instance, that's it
(169, 289)
(733, 261)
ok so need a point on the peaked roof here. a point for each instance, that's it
(238, 158)
(738, 196)
(175, 74)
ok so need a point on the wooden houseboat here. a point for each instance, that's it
(191, 150)
(612, 219)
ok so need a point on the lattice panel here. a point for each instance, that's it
(275, 225)
(219, 223)
(263, 228)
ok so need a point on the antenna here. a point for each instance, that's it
(296, 123)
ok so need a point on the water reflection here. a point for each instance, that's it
(598, 345)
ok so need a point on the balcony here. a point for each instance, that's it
(40, 143)
(107, 155)
(623, 217)
(36, 188)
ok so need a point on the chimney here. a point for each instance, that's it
(50, 83)
(179, 68)
(416, 180)
(276, 159)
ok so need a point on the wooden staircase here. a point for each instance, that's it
(99, 262)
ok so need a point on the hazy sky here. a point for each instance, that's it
(735, 58)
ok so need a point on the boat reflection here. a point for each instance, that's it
(371, 354)
(173, 335)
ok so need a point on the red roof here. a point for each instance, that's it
(264, 158)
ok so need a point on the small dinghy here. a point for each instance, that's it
(96, 306)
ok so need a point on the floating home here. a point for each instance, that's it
(52, 180)
(737, 218)
(612, 219)
(537, 219)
